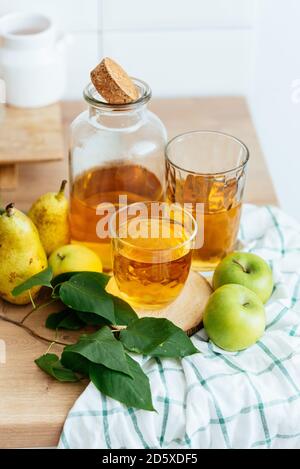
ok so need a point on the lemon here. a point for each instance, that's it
(74, 258)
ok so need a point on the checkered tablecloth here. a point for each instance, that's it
(217, 399)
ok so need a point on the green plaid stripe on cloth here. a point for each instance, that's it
(217, 399)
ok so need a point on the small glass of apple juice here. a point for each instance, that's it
(152, 252)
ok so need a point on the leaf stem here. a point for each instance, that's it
(31, 299)
(49, 348)
(36, 308)
(31, 331)
(53, 288)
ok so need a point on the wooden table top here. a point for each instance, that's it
(33, 406)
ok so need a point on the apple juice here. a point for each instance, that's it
(151, 271)
(105, 184)
(221, 215)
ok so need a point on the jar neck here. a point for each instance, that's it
(117, 116)
(117, 119)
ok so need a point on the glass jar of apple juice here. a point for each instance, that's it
(116, 158)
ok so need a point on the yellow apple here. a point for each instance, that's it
(74, 258)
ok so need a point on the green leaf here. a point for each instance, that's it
(157, 337)
(66, 319)
(92, 319)
(124, 313)
(178, 345)
(85, 292)
(42, 278)
(75, 362)
(101, 348)
(61, 278)
(51, 364)
(133, 392)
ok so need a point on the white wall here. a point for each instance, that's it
(182, 47)
(198, 47)
(274, 95)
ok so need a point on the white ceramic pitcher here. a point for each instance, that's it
(32, 60)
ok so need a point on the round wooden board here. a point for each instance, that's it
(187, 310)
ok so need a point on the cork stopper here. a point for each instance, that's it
(113, 83)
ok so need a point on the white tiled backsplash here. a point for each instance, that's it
(181, 47)
(135, 15)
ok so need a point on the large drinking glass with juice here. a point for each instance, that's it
(207, 171)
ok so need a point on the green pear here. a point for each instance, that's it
(21, 254)
(50, 215)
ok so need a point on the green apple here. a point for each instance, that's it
(234, 317)
(245, 268)
(74, 258)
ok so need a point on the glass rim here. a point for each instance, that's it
(114, 235)
(90, 90)
(201, 173)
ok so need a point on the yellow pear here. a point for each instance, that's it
(74, 258)
(21, 254)
(50, 215)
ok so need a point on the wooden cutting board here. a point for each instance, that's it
(187, 310)
(28, 136)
